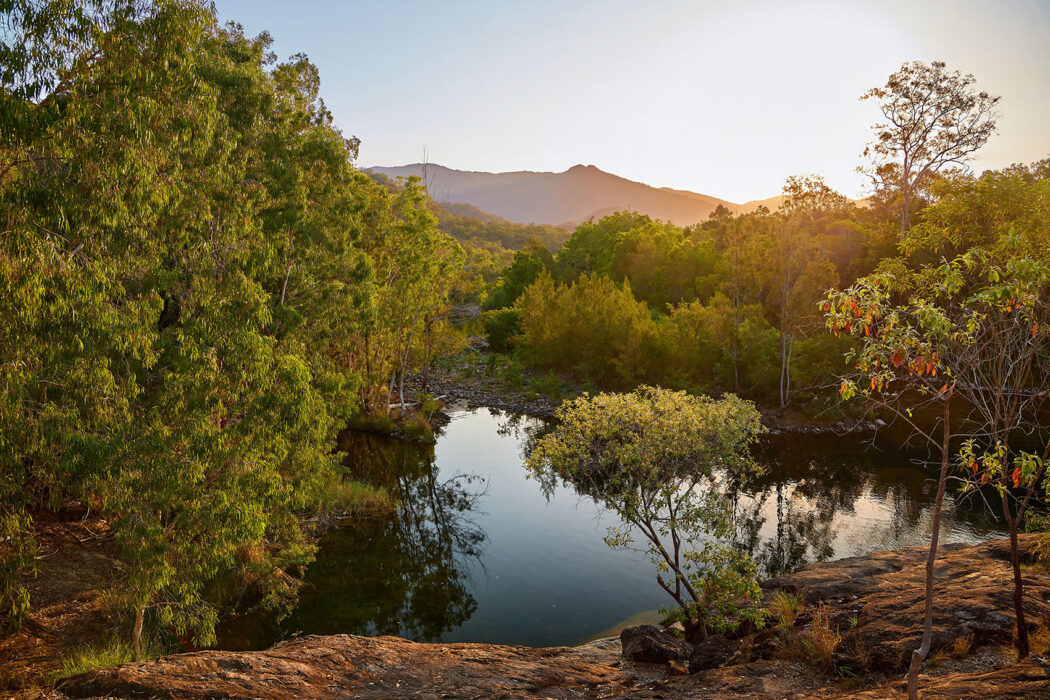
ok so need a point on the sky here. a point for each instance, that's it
(723, 98)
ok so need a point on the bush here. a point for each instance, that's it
(651, 457)
(592, 327)
(501, 327)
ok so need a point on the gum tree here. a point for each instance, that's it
(654, 457)
(934, 118)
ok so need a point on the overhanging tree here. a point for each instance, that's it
(654, 456)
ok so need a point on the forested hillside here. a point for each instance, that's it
(564, 199)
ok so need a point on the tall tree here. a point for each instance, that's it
(933, 118)
(792, 261)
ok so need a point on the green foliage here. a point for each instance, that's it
(731, 301)
(592, 246)
(592, 328)
(199, 290)
(107, 655)
(471, 226)
(525, 269)
(653, 456)
(501, 327)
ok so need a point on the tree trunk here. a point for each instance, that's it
(785, 370)
(136, 633)
(426, 354)
(919, 655)
(1021, 641)
(906, 213)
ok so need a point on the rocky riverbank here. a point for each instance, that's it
(874, 603)
(471, 384)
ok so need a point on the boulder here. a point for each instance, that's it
(646, 643)
(711, 653)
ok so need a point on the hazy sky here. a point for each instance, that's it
(724, 98)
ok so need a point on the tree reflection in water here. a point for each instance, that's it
(822, 494)
(406, 574)
(416, 573)
(819, 495)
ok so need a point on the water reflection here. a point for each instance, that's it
(406, 574)
(477, 553)
(825, 497)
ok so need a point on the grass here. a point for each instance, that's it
(823, 638)
(962, 646)
(785, 608)
(416, 426)
(107, 655)
(1039, 641)
(357, 497)
(380, 423)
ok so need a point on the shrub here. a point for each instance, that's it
(501, 327)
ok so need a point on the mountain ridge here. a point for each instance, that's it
(564, 199)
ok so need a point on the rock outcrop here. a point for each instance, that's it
(648, 644)
(875, 601)
(342, 666)
(878, 600)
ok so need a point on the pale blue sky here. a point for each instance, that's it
(724, 98)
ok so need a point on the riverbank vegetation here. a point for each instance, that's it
(199, 290)
(653, 457)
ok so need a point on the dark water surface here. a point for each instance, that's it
(477, 552)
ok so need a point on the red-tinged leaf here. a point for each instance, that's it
(1017, 477)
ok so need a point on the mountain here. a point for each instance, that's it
(565, 199)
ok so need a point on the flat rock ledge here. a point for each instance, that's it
(876, 602)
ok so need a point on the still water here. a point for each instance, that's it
(478, 553)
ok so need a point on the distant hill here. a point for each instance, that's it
(563, 199)
(463, 209)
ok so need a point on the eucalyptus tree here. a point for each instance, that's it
(415, 267)
(934, 118)
(791, 261)
(181, 285)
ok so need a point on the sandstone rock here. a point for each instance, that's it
(884, 594)
(360, 667)
(711, 653)
(646, 643)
